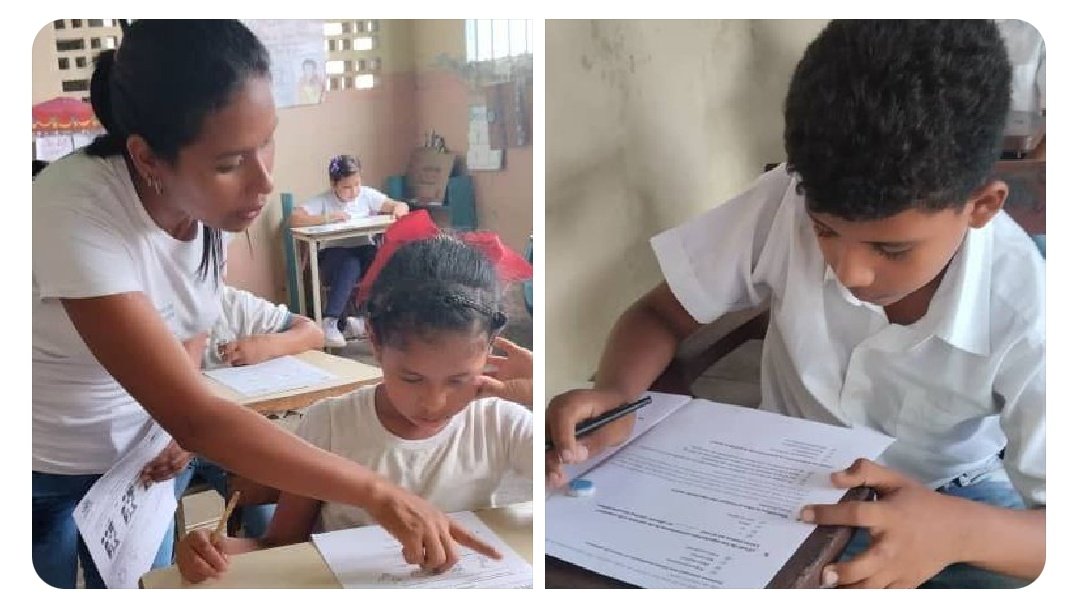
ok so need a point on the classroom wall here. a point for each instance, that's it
(503, 198)
(377, 125)
(648, 124)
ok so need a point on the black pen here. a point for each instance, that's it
(587, 426)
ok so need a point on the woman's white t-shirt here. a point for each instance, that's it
(92, 237)
(457, 469)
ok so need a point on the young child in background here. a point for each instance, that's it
(251, 330)
(902, 299)
(344, 261)
(432, 316)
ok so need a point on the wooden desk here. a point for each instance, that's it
(301, 565)
(350, 375)
(318, 234)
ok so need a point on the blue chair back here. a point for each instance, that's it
(290, 254)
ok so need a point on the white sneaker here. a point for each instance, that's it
(334, 339)
(355, 328)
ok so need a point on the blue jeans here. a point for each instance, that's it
(344, 267)
(57, 546)
(255, 519)
(961, 575)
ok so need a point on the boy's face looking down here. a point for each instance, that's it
(882, 261)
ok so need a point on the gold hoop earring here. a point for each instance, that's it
(154, 183)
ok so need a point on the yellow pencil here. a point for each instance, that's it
(225, 515)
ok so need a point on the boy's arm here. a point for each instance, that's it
(640, 346)
(302, 334)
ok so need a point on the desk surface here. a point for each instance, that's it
(346, 229)
(301, 565)
(349, 375)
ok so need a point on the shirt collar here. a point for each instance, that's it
(959, 311)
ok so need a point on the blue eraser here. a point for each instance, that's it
(581, 487)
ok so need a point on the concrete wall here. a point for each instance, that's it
(648, 123)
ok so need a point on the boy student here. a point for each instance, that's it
(251, 330)
(902, 299)
(248, 331)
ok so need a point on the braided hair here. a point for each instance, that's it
(433, 286)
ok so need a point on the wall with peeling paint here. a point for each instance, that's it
(647, 124)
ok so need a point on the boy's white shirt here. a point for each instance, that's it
(243, 314)
(457, 469)
(953, 389)
(367, 203)
(92, 237)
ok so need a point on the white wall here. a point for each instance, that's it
(648, 124)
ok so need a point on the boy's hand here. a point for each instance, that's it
(910, 525)
(516, 364)
(247, 351)
(338, 216)
(564, 413)
(165, 465)
(201, 554)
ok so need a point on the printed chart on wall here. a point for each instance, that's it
(297, 59)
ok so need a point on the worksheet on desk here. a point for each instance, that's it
(369, 557)
(707, 498)
(354, 223)
(277, 375)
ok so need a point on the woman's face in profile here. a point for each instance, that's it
(223, 178)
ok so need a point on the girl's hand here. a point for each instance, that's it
(166, 465)
(428, 537)
(911, 527)
(514, 390)
(337, 217)
(516, 364)
(400, 209)
(200, 555)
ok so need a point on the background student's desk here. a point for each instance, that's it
(319, 234)
(301, 565)
(349, 375)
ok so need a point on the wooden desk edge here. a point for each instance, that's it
(305, 399)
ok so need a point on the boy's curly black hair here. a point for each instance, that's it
(431, 286)
(884, 116)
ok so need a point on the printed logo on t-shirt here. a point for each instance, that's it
(168, 314)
